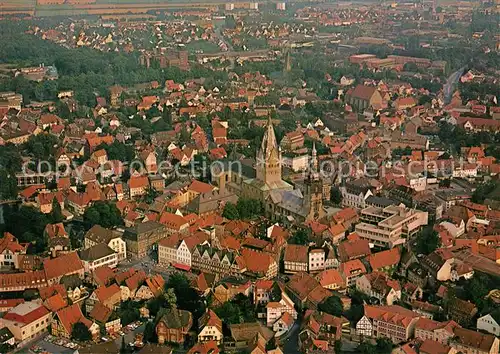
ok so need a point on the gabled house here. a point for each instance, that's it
(276, 309)
(66, 318)
(378, 285)
(210, 328)
(98, 234)
(174, 326)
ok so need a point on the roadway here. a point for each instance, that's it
(450, 84)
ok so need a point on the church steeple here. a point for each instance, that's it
(269, 157)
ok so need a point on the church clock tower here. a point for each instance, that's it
(269, 157)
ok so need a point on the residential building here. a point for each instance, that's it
(296, 258)
(490, 323)
(109, 296)
(316, 260)
(390, 226)
(332, 279)
(292, 141)
(262, 291)
(462, 311)
(10, 248)
(143, 237)
(113, 238)
(210, 328)
(106, 318)
(65, 319)
(321, 330)
(355, 195)
(467, 341)
(97, 256)
(351, 271)
(379, 286)
(393, 322)
(275, 309)
(66, 264)
(243, 336)
(174, 326)
(27, 321)
(441, 332)
(22, 281)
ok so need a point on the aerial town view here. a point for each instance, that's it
(260, 176)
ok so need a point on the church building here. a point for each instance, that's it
(281, 201)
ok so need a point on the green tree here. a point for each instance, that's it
(249, 208)
(170, 298)
(187, 297)
(230, 211)
(335, 195)
(56, 214)
(150, 335)
(332, 305)
(301, 237)
(80, 332)
(8, 185)
(129, 312)
(427, 240)
(104, 213)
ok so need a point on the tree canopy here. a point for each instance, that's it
(332, 305)
(80, 332)
(104, 213)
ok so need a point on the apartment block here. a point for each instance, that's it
(390, 226)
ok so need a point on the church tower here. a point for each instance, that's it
(269, 157)
(313, 191)
(288, 61)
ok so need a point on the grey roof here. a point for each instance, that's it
(108, 347)
(132, 233)
(98, 251)
(174, 318)
(100, 234)
(380, 201)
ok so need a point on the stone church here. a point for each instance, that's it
(264, 182)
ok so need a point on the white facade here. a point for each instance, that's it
(110, 261)
(276, 309)
(316, 260)
(357, 201)
(166, 255)
(116, 244)
(364, 327)
(211, 332)
(489, 324)
(183, 254)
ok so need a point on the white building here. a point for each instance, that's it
(354, 197)
(27, 321)
(275, 310)
(113, 238)
(490, 323)
(98, 256)
(316, 260)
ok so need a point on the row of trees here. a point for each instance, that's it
(243, 209)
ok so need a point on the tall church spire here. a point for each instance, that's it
(269, 156)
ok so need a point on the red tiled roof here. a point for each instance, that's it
(296, 253)
(27, 318)
(329, 277)
(393, 314)
(103, 293)
(384, 259)
(56, 302)
(70, 315)
(66, 264)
